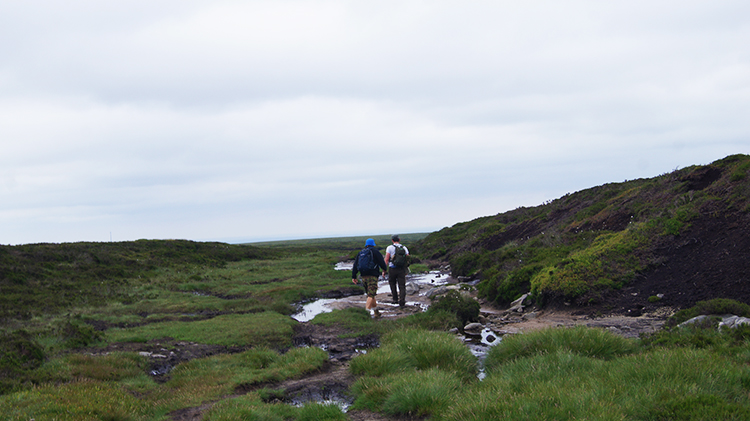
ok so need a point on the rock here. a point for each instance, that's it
(490, 338)
(473, 329)
(437, 291)
(613, 329)
(530, 316)
(412, 288)
(734, 321)
(518, 304)
(694, 320)
(483, 320)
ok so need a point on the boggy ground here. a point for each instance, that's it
(334, 378)
(708, 260)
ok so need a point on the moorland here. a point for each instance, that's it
(182, 330)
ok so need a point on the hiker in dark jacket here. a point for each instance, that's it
(397, 271)
(369, 276)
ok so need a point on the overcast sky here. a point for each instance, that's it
(253, 120)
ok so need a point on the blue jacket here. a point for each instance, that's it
(379, 260)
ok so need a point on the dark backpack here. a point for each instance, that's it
(400, 258)
(365, 260)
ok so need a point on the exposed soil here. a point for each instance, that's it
(710, 259)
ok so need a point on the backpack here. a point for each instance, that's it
(400, 258)
(365, 260)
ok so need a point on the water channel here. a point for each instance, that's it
(419, 286)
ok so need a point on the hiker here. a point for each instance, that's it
(367, 263)
(397, 259)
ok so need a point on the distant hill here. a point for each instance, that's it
(670, 240)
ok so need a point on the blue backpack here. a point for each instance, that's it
(365, 260)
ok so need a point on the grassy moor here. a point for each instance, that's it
(162, 330)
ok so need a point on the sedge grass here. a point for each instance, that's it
(417, 349)
(663, 384)
(579, 340)
(414, 372)
(85, 400)
(262, 329)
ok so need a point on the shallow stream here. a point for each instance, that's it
(478, 344)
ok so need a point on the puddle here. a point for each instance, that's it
(339, 401)
(312, 309)
(344, 266)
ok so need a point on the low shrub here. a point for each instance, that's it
(464, 307)
(20, 354)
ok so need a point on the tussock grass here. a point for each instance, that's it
(414, 372)
(594, 343)
(85, 400)
(664, 384)
(356, 321)
(414, 350)
(421, 393)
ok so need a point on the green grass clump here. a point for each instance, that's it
(592, 343)
(414, 372)
(355, 320)
(422, 393)
(663, 384)
(84, 400)
(414, 350)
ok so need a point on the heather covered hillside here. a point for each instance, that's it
(671, 240)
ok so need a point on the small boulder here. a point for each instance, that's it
(412, 288)
(734, 321)
(473, 329)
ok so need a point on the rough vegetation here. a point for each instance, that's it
(672, 240)
(179, 330)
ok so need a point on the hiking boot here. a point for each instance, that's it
(376, 313)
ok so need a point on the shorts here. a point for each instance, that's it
(371, 285)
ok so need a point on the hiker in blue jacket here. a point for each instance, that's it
(367, 263)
